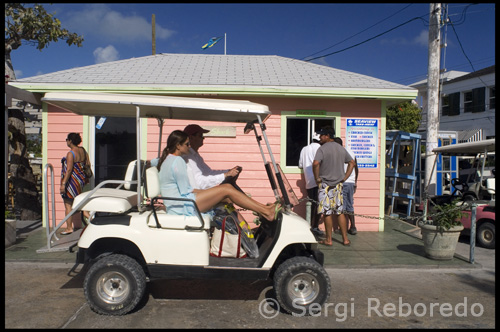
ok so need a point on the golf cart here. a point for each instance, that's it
(129, 241)
(476, 188)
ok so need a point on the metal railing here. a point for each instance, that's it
(75, 209)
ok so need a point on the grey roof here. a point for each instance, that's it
(214, 70)
(477, 73)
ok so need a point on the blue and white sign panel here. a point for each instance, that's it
(362, 139)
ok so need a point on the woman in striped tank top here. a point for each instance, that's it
(72, 176)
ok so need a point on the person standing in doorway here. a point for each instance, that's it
(305, 163)
(328, 169)
(349, 189)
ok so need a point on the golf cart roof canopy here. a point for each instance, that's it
(186, 108)
(467, 149)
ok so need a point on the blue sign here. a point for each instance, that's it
(362, 139)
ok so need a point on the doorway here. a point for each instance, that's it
(115, 147)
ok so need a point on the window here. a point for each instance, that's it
(445, 105)
(467, 101)
(450, 104)
(299, 131)
(479, 100)
(474, 101)
(492, 98)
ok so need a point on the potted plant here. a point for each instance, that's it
(440, 234)
(10, 228)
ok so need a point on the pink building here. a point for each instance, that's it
(302, 97)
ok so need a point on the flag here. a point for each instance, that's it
(211, 42)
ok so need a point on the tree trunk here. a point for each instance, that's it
(26, 193)
(9, 69)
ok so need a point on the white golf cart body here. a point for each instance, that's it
(484, 186)
(173, 246)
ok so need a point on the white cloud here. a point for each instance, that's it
(107, 54)
(100, 20)
(422, 39)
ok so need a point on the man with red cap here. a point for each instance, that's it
(201, 176)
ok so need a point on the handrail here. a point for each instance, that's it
(46, 200)
(75, 209)
(198, 212)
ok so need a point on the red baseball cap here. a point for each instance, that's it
(193, 129)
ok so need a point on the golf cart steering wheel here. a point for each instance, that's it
(459, 186)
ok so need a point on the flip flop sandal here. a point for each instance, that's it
(323, 242)
(66, 232)
(277, 209)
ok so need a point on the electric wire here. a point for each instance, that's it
(340, 42)
(463, 51)
(372, 38)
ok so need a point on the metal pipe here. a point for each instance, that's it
(472, 233)
(46, 201)
(138, 163)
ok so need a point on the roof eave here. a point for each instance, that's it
(222, 90)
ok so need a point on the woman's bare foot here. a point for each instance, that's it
(272, 211)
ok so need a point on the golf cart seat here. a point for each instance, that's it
(490, 187)
(114, 200)
(169, 221)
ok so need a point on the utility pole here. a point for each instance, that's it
(432, 97)
(153, 25)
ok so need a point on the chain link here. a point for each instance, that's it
(413, 219)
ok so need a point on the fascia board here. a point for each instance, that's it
(271, 91)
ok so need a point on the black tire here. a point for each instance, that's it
(486, 235)
(114, 285)
(299, 283)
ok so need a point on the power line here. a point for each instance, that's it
(340, 42)
(463, 51)
(413, 79)
(370, 39)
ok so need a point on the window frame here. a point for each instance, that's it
(468, 104)
(491, 97)
(305, 114)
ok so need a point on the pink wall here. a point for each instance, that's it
(226, 152)
(59, 125)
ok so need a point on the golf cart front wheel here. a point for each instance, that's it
(486, 235)
(114, 285)
(301, 285)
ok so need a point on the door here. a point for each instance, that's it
(115, 147)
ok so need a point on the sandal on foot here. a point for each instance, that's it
(348, 244)
(277, 209)
(66, 232)
(323, 242)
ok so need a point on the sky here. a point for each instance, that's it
(392, 38)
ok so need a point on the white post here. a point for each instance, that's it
(432, 96)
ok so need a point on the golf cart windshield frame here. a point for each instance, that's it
(473, 149)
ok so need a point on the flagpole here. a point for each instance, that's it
(225, 43)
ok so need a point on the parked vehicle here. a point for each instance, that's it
(478, 189)
(129, 242)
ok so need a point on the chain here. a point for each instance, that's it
(412, 219)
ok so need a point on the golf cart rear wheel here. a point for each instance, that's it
(486, 235)
(114, 285)
(301, 284)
